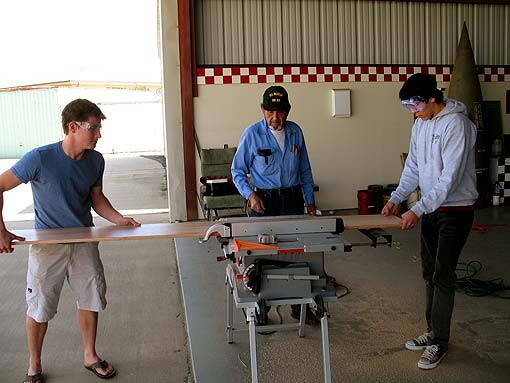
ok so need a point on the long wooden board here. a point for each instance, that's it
(194, 229)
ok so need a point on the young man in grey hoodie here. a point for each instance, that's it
(441, 161)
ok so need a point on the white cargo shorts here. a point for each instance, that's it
(50, 265)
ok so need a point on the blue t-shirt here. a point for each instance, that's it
(60, 185)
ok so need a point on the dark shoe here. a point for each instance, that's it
(311, 318)
(104, 365)
(431, 356)
(37, 378)
(419, 343)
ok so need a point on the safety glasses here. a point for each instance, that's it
(414, 104)
(87, 126)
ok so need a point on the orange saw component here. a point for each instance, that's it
(238, 245)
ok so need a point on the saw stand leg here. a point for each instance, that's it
(230, 312)
(325, 348)
(251, 317)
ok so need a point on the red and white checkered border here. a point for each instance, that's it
(324, 73)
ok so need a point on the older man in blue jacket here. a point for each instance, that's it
(273, 152)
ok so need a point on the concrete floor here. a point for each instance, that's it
(367, 328)
(143, 332)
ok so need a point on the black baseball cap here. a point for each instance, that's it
(423, 85)
(276, 98)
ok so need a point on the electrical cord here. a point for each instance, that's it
(477, 288)
(338, 286)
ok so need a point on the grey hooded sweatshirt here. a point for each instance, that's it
(441, 161)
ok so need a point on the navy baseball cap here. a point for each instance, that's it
(276, 98)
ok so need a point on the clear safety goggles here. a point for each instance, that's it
(87, 126)
(414, 104)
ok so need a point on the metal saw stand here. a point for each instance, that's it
(276, 262)
(250, 308)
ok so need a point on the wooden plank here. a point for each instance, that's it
(370, 222)
(113, 233)
(194, 229)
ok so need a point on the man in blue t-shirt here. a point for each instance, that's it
(66, 179)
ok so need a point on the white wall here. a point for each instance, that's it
(347, 154)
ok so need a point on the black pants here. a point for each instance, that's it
(288, 201)
(443, 235)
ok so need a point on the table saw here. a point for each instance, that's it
(280, 261)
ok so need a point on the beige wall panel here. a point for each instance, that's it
(172, 110)
(253, 33)
(347, 32)
(292, 42)
(346, 154)
(234, 33)
(272, 30)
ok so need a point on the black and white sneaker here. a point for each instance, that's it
(419, 343)
(431, 357)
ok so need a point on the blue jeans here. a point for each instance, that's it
(443, 235)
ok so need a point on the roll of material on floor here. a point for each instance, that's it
(366, 202)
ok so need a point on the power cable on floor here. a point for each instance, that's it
(476, 287)
(338, 286)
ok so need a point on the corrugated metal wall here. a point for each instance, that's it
(347, 32)
(28, 119)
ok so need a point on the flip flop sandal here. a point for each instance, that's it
(104, 365)
(33, 378)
